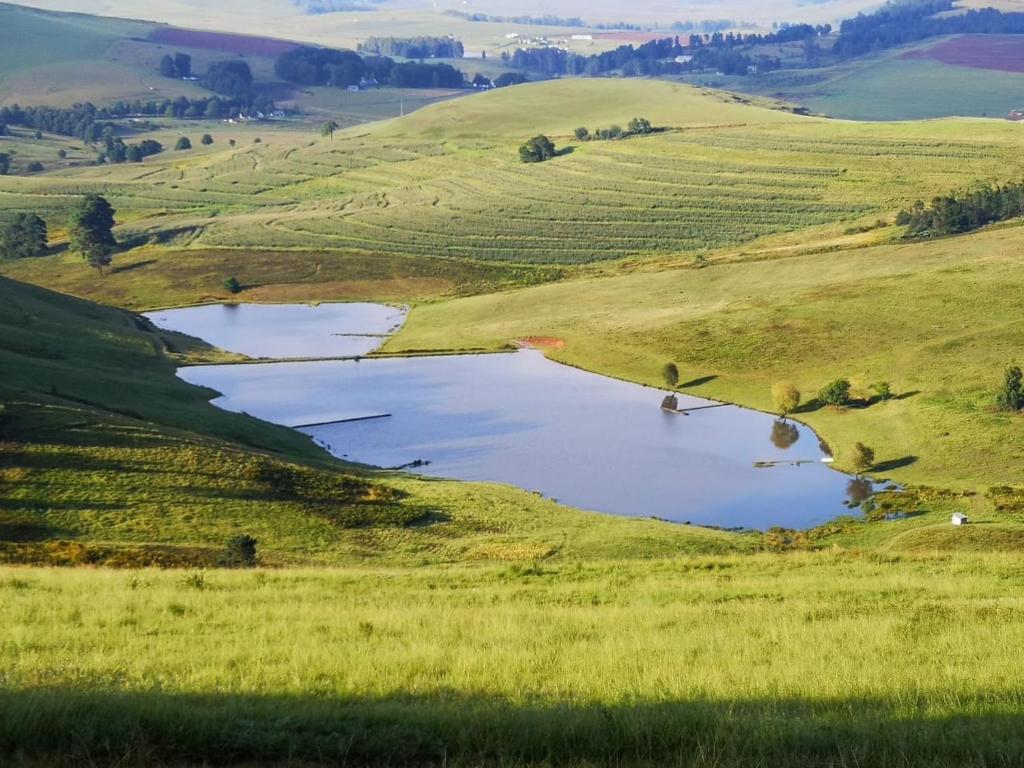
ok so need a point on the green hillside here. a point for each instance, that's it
(939, 320)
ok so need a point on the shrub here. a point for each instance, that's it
(62, 153)
(207, 140)
(786, 397)
(231, 285)
(1011, 396)
(231, 142)
(241, 551)
(640, 126)
(194, 580)
(582, 134)
(537, 150)
(671, 374)
(883, 390)
(835, 393)
(35, 167)
(863, 458)
(183, 144)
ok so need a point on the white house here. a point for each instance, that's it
(959, 518)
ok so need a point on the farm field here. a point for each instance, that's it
(446, 181)
(916, 83)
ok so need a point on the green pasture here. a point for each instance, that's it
(795, 660)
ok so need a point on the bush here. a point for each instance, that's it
(207, 140)
(883, 390)
(183, 144)
(241, 551)
(537, 150)
(786, 397)
(835, 393)
(582, 134)
(1011, 396)
(231, 285)
(35, 167)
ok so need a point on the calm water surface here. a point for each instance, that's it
(286, 330)
(586, 440)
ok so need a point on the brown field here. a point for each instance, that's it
(1004, 53)
(243, 45)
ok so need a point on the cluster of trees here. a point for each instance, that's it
(537, 150)
(906, 22)
(179, 65)
(23, 237)
(116, 151)
(88, 122)
(638, 126)
(543, 21)
(953, 214)
(231, 78)
(414, 47)
(340, 69)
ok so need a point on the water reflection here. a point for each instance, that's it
(859, 490)
(784, 434)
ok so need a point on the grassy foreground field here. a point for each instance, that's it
(801, 660)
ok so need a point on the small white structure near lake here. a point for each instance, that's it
(959, 518)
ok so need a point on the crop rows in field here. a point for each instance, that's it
(680, 192)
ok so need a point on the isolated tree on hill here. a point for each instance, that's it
(23, 237)
(91, 228)
(167, 67)
(207, 140)
(231, 285)
(182, 65)
(5, 163)
(1011, 396)
(670, 372)
(835, 393)
(328, 129)
(183, 144)
(786, 397)
(862, 459)
(537, 150)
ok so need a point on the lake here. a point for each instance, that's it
(286, 330)
(586, 440)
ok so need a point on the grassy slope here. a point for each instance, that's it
(723, 174)
(940, 320)
(103, 446)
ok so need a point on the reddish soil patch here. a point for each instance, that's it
(243, 45)
(629, 37)
(543, 342)
(1004, 53)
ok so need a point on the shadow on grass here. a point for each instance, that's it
(891, 464)
(699, 381)
(79, 726)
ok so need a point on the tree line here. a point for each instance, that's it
(897, 24)
(656, 57)
(88, 122)
(342, 68)
(414, 47)
(958, 213)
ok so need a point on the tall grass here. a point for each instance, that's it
(767, 660)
